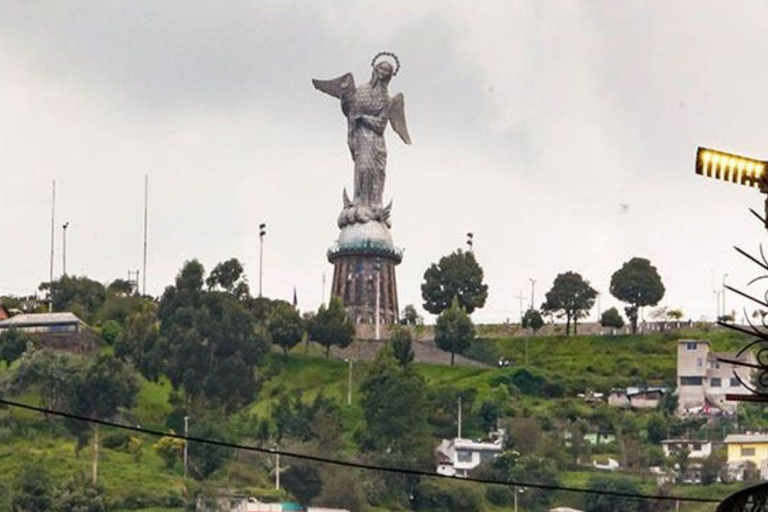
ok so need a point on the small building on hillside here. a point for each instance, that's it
(62, 331)
(639, 397)
(746, 448)
(696, 449)
(703, 380)
(457, 457)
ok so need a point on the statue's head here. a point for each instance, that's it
(383, 70)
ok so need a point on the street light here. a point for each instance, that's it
(470, 241)
(722, 288)
(64, 248)
(349, 380)
(262, 233)
(533, 285)
(186, 443)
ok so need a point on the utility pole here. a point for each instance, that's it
(322, 298)
(533, 287)
(262, 233)
(186, 444)
(520, 297)
(377, 268)
(349, 380)
(722, 291)
(144, 266)
(459, 427)
(53, 231)
(64, 249)
(277, 466)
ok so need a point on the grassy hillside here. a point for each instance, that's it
(571, 365)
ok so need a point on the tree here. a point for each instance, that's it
(285, 326)
(120, 287)
(675, 314)
(107, 385)
(394, 401)
(457, 275)
(79, 295)
(400, 342)
(572, 297)
(302, 479)
(13, 343)
(598, 501)
(208, 342)
(110, 331)
(227, 276)
(637, 283)
(611, 318)
(411, 316)
(138, 342)
(532, 320)
(454, 330)
(714, 467)
(32, 489)
(331, 326)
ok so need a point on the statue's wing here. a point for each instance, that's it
(396, 115)
(336, 87)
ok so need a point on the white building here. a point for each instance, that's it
(457, 457)
(703, 380)
(696, 449)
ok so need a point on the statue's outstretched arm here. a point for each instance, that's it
(336, 87)
(396, 114)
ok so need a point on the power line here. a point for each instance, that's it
(356, 465)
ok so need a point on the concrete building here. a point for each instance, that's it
(457, 457)
(63, 331)
(645, 397)
(703, 380)
(745, 448)
(696, 449)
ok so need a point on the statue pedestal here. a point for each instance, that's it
(364, 260)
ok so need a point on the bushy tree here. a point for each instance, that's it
(285, 326)
(394, 402)
(637, 283)
(331, 326)
(79, 295)
(208, 341)
(454, 330)
(138, 342)
(13, 343)
(457, 275)
(228, 276)
(598, 501)
(401, 342)
(32, 489)
(571, 297)
(532, 320)
(612, 318)
(110, 331)
(410, 316)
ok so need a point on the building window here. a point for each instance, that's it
(463, 455)
(690, 381)
(735, 382)
(696, 447)
(747, 452)
(715, 382)
(691, 345)
(699, 362)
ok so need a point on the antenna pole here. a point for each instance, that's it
(53, 236)
(144, 269)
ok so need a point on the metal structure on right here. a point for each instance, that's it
(364, 255)
(751, 173)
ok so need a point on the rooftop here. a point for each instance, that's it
(30, 319)
(747, 438)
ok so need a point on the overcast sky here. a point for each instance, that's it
(563, 134)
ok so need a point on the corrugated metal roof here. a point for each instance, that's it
(40, 319)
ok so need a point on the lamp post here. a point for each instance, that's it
(262, 233)
(533, 287)
(377, 313)
(349, 380)
(470, 241)
(276, 449)
(64, 249)
(722, 290)
(186, 444)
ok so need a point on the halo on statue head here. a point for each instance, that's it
(387, 54)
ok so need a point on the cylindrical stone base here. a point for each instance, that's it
(358, 279)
